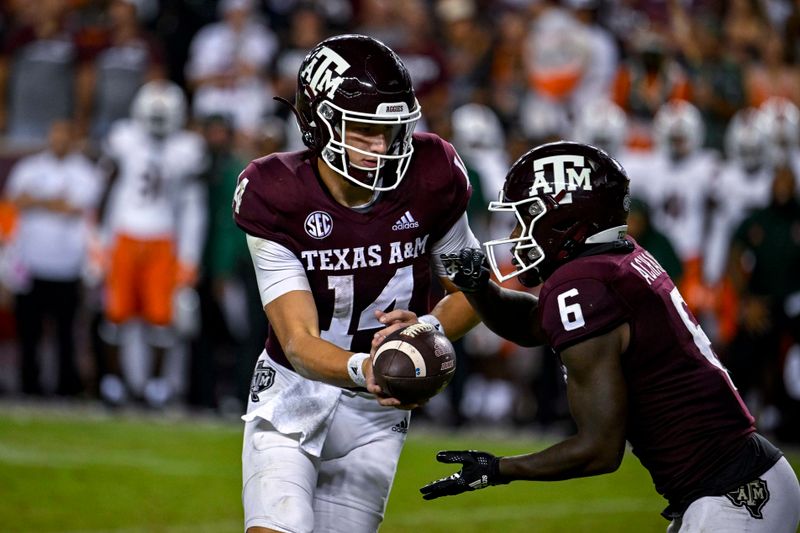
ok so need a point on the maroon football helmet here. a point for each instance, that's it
(355, 78)
(565, 195)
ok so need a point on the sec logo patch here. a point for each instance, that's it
(319, 224)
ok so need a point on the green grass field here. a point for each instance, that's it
(79, 470)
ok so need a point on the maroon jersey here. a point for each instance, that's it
(356, 261)
(685, 419)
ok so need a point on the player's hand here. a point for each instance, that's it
(392, 321)
(467, 269)
(479, 470)
(382, 398)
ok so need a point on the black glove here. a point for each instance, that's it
(478, 471)
(467, 269)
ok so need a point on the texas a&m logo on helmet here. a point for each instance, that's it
(323, 71)
(569, 173)
(564, 196)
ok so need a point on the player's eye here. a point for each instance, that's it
(369, 130)
(360, 128)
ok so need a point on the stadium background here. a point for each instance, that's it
(494, 77)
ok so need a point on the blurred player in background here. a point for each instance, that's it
(742, 185)
(155, 225)
(780, 120)
(679, 177)
(603, 124)
(342, 237)
(637, 364)
(676, 184)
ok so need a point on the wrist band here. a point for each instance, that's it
(355, 368)
(433, 321)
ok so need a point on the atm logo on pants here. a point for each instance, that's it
(752, 495)
(263, 378)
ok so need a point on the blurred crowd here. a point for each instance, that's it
(698, 99)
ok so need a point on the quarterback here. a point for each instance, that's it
(638, 366)
(345, 238)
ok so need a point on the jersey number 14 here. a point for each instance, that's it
(398, 291)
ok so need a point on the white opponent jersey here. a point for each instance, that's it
(156, 194)
(736, 193)
(677, 193)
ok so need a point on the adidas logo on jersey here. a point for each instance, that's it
(405, 222)
(401, 427)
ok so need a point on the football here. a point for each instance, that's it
(414, 363)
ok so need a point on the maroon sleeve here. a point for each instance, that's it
(254, 210)
(453, 192)
(579, 309)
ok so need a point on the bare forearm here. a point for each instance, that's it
(597, 396)
(568, 459)
(508, 313)
(317, 359)
(456, 315)
(597, 401)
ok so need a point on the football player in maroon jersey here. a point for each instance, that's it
(638, 366)
(341, 235)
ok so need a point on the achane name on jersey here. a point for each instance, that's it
(647, 266)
